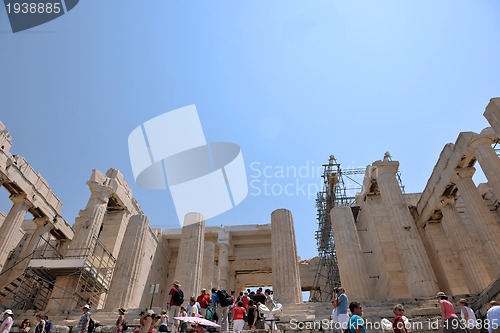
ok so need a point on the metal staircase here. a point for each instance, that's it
(27, 292)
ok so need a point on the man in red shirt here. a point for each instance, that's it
(174, 307)
(203, 299)
(245, 299)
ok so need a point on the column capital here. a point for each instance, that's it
(42, 220)
(20, 198)
(481, 140)
(385, 167)
(102, 192)
(447, 201)
(465, 172)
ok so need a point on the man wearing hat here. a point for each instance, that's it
(174, 306)
(203, 299)
(84, 321)
(7, 321)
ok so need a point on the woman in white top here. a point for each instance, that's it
(468, 316)
(7, 321)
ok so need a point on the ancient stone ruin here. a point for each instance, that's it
(390, 246)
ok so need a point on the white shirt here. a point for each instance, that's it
(471, 323)
(493, 316)
(6, 325)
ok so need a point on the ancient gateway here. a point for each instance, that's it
(389, 245)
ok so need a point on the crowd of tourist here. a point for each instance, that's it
(449, 322)
(43, 324)
(252, 310)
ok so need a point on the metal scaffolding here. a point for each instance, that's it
(337, 191)
(89, 271)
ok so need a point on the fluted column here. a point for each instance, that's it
(490, 163)
(12, 224)
(89, 221)
(223, 264)
(353, 275)
(475, 271)
(43, 228)
(484, 221)
(286, 274)
(416, 265)
(131, 270)
(190, 259)
(207, 279)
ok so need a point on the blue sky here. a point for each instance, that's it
(290, 82)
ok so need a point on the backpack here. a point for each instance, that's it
(124, 326)
(178, 297)
(91, 327)
(224, 298)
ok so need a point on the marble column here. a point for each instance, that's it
(417, 269)
(285, 263)
(353, 275)
(89, 221)
(12, 225)
(131, 271)
(43, 228)
(223, 265)
(190, 258)
(490, 163)
(475, 271)
(484, 221)
(113, 230)
(207, 278)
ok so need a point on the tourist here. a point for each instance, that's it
(7, 321)
(334, 316)
(239, 313)
(220, 311)
(259, 297)
(356, 323)
(84, 321)
(120, 321)
(449, 319)
(182, 326)
(192, 308)
(25, 326)
(398, 323)
(163, 321)
(203, 299)
(342, 305)
(147, 321)
(175, 303)
(493, 316)
(40, 326)
(48, 324)
(245, 298)
(467, 315)
(251, 314)
(269, 318)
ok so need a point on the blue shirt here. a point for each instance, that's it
(354, 322)
(343, 304)
(215, 299)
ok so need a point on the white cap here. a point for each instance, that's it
(8, 311)
(86, 306)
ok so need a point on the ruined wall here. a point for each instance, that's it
(444, 236)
